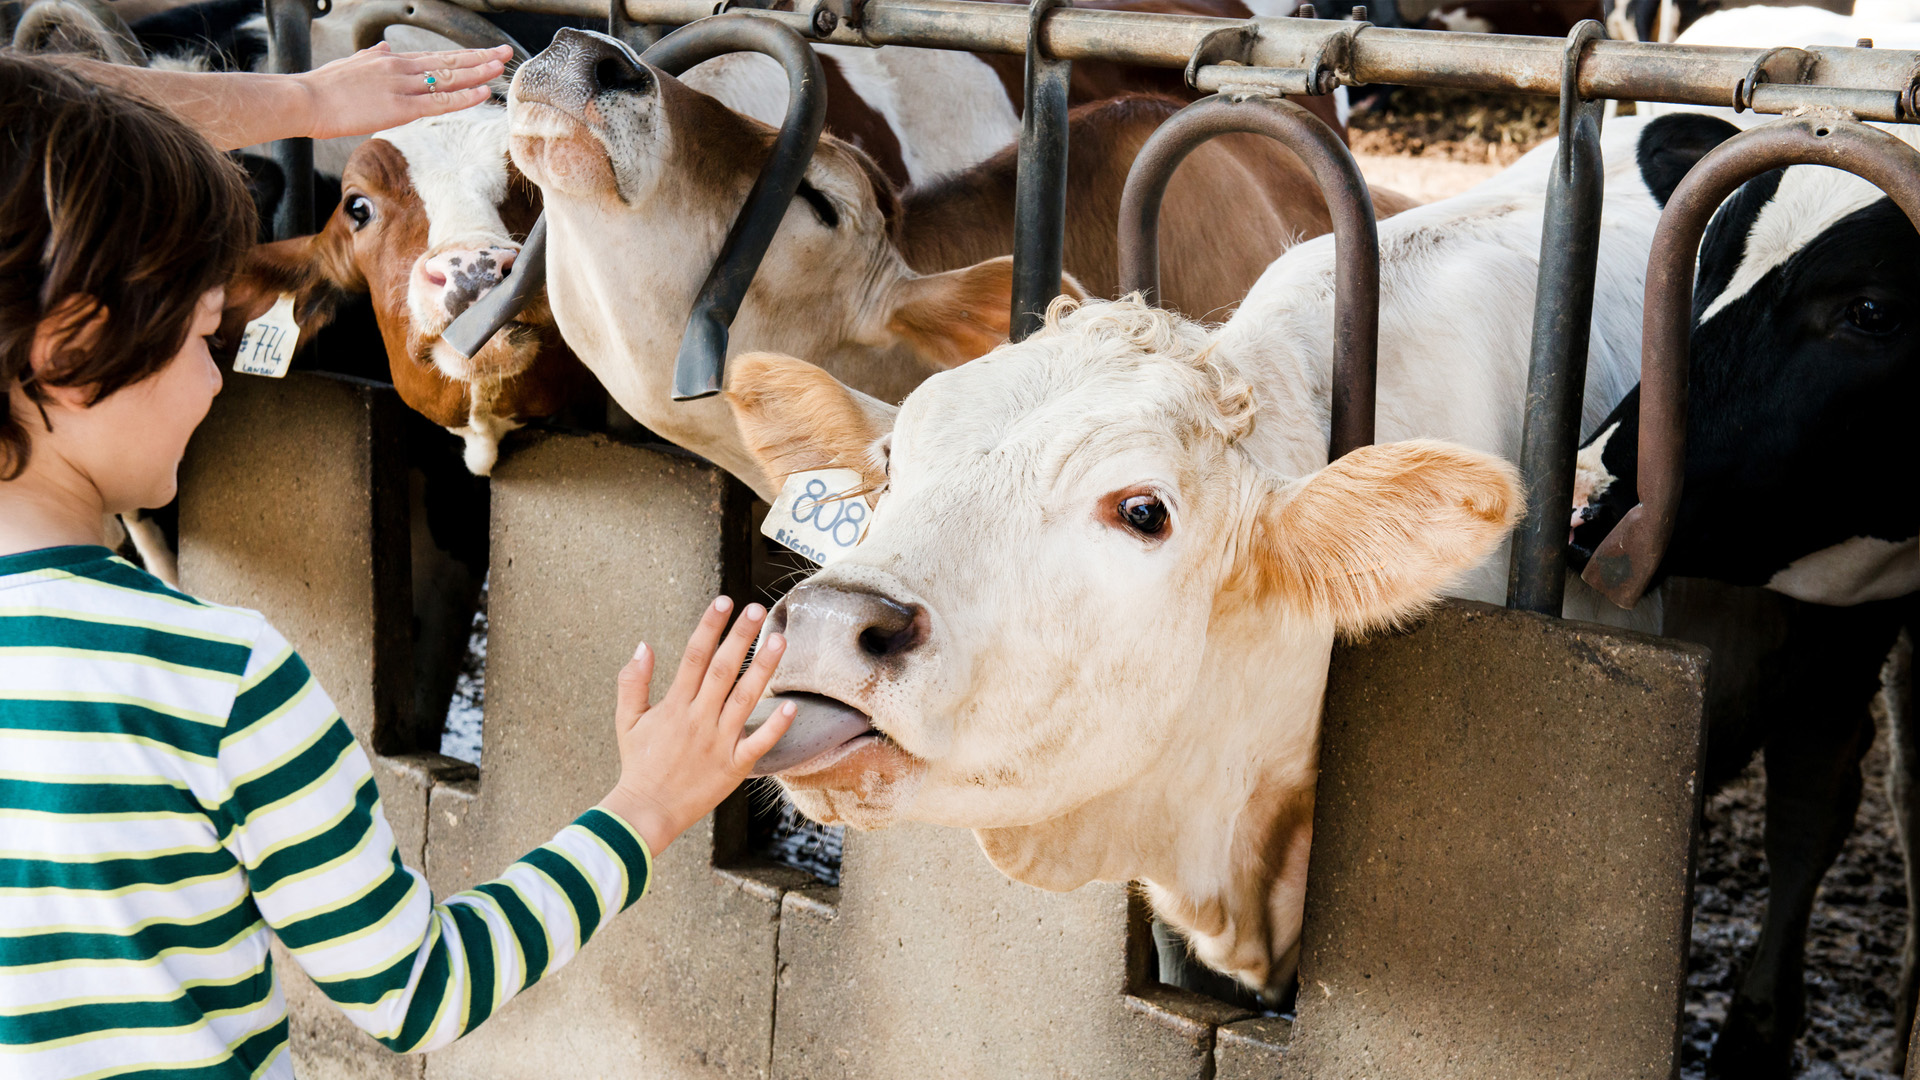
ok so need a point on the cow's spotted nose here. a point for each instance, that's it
(463, 275)
(609, 63)
(823, 617)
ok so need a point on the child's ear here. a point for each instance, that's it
(1374, 537)
(318, 271)
(952, 317)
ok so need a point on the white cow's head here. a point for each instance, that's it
(1087, 625)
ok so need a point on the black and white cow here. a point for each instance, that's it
(1804, 374)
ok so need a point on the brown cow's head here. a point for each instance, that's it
(428, 221)
(644, 176)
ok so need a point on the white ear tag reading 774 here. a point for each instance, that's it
(267, 346)
(821, 514)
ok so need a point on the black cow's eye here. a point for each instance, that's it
(360, 209)
(1873, 316)
(1144, 514)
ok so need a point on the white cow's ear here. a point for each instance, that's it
(794, 417)
(1374, 537)
(953, 317)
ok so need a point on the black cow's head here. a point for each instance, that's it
(1802, 375)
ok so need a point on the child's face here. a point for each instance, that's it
(129, 444)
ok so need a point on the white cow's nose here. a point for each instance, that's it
(463, 275)
(860, 627)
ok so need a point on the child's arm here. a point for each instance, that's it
(321, 864)
(372, 90)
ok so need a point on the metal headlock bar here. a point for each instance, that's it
(1562, 318)
(289, 50)
(1624, 564)
(1872, 84)
(1040, 185)
(1356, 238)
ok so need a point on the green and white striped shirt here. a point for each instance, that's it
(174, 789)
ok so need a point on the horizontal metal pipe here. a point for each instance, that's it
(1626, 70)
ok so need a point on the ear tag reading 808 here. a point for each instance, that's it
(820, 514)
(267, 346)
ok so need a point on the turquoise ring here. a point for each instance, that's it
(431, 83)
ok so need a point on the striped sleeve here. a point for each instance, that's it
(305, 821)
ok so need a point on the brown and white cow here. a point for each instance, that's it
(431, 216)
(1091, 619)
(642, 178)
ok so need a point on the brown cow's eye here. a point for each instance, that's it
(1144, 514)
(360, 209)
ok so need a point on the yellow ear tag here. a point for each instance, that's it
(267, 346)
(821, 513)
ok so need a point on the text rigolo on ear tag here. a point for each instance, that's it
(267, 346)
(821, 513)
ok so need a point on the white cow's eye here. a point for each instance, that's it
(1144, 514)
(360, 209)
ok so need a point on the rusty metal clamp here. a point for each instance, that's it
(700, 365)
(1910, 97)
(1626, 562)
(823, 17)
(1224, 61)
(1760, 72)
(1356, 276)
(465, 28)
(1040, 185)
(1562, 321)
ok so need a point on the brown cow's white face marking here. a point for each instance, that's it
(458, 168)
(1087, 625)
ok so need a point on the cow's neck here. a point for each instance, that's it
(1217, 830)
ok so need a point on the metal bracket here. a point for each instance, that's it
(1910, 97)
(823, 17)
(1227, 45)
(1223, 62)
(1762, 72)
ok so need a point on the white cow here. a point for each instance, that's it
(1092, 618)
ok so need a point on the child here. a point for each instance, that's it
(175, 790)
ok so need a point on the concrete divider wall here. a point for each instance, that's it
(925, 962)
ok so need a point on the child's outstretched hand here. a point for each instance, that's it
(681, 756)
(376, 89)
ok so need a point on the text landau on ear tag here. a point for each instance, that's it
(821, 513)
(267, 346)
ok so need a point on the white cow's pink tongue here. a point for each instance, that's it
(820, 724)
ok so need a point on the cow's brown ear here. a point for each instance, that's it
(317, 270)
(1372, 538)
(794, 417)
(951, 318)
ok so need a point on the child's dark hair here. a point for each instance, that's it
(107, 204)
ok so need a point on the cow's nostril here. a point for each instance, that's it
(892, 629)
(616, 72)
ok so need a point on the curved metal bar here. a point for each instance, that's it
(1562, 320)
(1356, 281)
(1625, 563)
(701, 363)
(636, 35)
(1040, 185)
(703, 351)
(465, 28)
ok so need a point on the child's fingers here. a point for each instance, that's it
(755, 746)
(455, 59)
(631, 700)
(752, 684)
(693, 663)
(725, 667)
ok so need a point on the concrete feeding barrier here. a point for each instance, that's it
(1509, 856)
